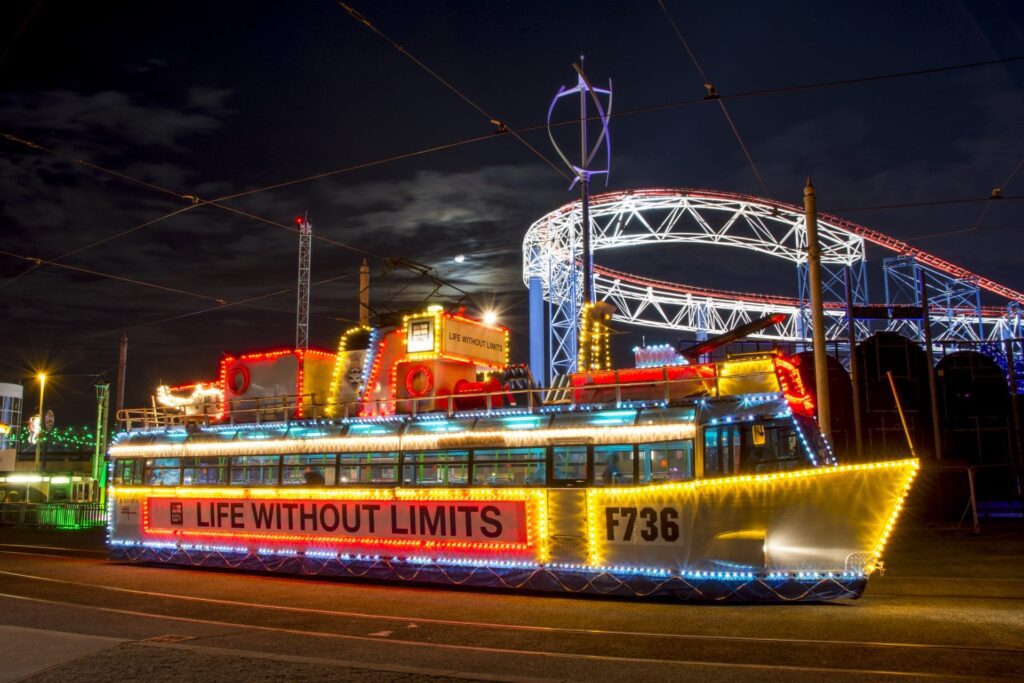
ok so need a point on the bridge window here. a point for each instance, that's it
(368, 468)
(163, 472)
(127, 472)
(666, 461)
(613, 465)
(435, 468)
(206, 471)
(570, 465)
(509, 467)
(317, 469)
(255, 470)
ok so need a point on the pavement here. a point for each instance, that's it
(948, 607)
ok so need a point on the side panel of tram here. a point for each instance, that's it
(806, 534)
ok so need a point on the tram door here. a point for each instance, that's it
(724, 448)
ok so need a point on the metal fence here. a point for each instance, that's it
(53, 515)
(966, 496)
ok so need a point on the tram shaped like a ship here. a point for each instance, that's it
(416, 453)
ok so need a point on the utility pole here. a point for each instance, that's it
(305, 231)
(122, 363)
(99, 472)
(584, 176)
(851, 340)
(817, 311)
(42, 424)
(364, 294)
(933, 392)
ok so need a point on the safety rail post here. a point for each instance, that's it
(974, 501)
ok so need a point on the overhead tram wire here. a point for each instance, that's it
(194, 200)
(754, 93)
(997, 194)
(493, 119)
(409, 264)
(111, 276)
(230, 304)
(458, 143)
(713, 94)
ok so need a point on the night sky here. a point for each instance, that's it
(213, 99)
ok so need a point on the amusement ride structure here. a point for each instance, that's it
(553, 254)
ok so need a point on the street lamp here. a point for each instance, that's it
(39, 441)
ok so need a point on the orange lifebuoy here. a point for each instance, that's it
(239, 382)
(411, 378)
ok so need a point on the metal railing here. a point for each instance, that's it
(53, 515)
(964, 494)
(286, 408)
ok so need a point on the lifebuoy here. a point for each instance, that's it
(411, 378)
(238, 383)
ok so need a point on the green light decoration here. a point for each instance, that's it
(71, 437)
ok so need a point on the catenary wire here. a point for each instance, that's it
(721, 104)
(502, 125)
(466, 141)
(996, 194)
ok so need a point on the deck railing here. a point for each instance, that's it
(306, 406)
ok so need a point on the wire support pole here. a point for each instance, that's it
(584, 176)
(305, 231)
(851, 335)
(933, 393)
(817, 312)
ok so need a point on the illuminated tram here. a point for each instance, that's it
(433, 460)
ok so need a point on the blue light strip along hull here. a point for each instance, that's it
(599, 582)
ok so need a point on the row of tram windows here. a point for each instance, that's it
(728, 450)
(570, 465)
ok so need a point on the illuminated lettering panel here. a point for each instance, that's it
(502, 522)
(826, 519)
(507, 524)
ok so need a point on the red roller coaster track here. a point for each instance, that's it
(869, 234)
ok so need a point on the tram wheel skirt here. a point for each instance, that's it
(560, 580)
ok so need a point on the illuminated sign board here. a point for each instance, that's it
(339, 520)
(474, 341)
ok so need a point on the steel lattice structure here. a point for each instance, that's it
(552, 254)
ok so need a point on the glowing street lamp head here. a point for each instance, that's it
(490, 317)
(41, 377)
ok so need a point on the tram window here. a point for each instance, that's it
(654, 416)
(318, 469)
(613, 465)
(516, 422)
(570, 463)
(127, 472)
(163, 472)
(435, 468)
(200, 471)
(509, 467)
(439, 426)
(779, 451)
(723, 446)
(368, 468)
(597, 418)
(389, 428)
(254, 470)
(666, 461)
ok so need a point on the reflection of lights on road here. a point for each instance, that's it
(460, 258)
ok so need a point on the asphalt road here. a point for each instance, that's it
(950, 606)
